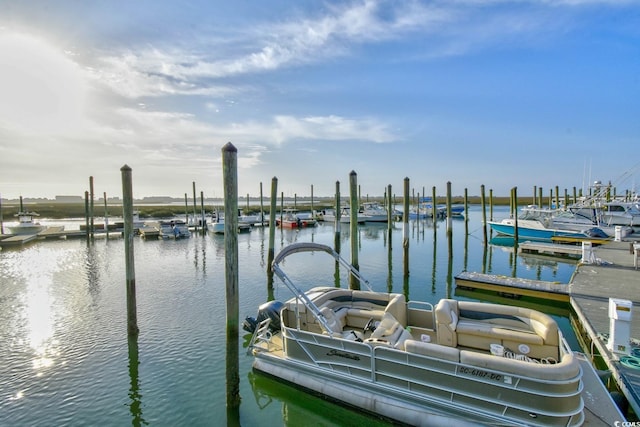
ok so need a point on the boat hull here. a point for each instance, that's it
(26, 229)
(507, 228)
(416, 389)
(381, 403)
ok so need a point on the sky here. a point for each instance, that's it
(473, 92)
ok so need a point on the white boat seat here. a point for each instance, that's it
(389, 330)
(336, 323)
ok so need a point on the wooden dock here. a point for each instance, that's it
(17, 240)
(552, 249)
(513, 286)
(53, 232)
(610, 275)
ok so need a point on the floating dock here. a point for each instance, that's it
(513, 286)
(610, 274)
(53, 232)
(552, 249)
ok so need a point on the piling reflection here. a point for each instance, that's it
(390, 261)
(135, 397)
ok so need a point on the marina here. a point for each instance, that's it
(177, 302)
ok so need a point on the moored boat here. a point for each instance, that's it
(458, 362)
(545, 225)
(173, 229)
(291, 218)
(329, 215)
(375, 212)
(26, 224)
(218, 227)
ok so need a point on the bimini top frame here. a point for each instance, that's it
(312, 247)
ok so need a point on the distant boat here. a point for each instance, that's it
(425, 210)
(329, 215)
(216, 226)
(26, 224)
(375, 212)
(291, 218)
(174, 229)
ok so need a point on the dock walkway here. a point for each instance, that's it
(613, 275)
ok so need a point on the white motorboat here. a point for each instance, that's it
(375, 212)
(217, 227)
(458, 363)
(329, 215)
(26, 224)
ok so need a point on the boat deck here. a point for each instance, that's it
(612, 274)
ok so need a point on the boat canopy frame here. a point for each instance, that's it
(299, 294)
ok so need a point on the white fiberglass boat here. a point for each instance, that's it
(26, 224)
(458, 363)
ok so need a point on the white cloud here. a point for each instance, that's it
(43, 90)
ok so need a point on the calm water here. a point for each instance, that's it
(66, 359)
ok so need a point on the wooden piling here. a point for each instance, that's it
(405, 228)
(540, 197)
(353, 193)
(466, 205)
(230, 178)
(449, 216)
(389, 210)
(272, 224)
(338, 213)
(514, 193)
(434, 213)
(86, 215)
(202, 215)
(91, 197)
(313, 214)
(127, 215)
(194, 208)
(106, 216)
(483, 205)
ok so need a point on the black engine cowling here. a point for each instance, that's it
(270, 310)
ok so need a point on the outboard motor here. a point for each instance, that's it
(270, 310)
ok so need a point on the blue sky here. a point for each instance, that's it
(501, 93)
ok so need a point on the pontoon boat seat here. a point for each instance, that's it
(478, 325)
(361, 312)
(390, 332)
(337, 321)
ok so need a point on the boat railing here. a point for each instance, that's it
(263, 334)
(299, 294)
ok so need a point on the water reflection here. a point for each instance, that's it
(135, 397)
(295, 412)
(41, 307)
